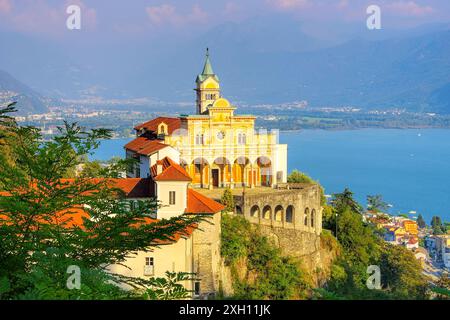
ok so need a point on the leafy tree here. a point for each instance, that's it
(227, 200)
(341, 201)
(168, 288)
(421, 222)
(235, 237)
(376, 203)
(38, 210)
(401, 273)
(91, 169)
(438, 227)
(299, 177)
(361, 247)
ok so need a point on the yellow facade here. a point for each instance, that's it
(411, 227)
(220, 149)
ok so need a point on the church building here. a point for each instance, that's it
(216, 146)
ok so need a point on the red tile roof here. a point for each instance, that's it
(200, 204)
(135, 187)
(152, 125)
(145, 146)
(171, 171)
(132, 187)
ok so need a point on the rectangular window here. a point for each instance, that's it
(171, 197)
(197, 288)
(149, 268)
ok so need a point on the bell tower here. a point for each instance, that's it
(208, 87)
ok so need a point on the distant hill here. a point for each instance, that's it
(407, 72)
(28, 101)
(410, 72)
(258, 61)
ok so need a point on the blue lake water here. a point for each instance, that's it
(410, 168)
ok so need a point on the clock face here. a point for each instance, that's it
(220, 135)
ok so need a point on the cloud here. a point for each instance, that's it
(409, 8)
(5, 6)
(168, 14)
(289, 4)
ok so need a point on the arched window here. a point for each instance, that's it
(200, 139)
(278, 213)
(267, 212)
(254, 211)
(242, 139)
(238, 210)
(290, 214)
(306, 216)
(313, 217)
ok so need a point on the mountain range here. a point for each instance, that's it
(28, 101)
(257, 61)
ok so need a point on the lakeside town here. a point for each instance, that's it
(120, 115)
(431, 249)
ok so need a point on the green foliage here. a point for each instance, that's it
(438, 226)
(401, 273)
(376, 203)
(37, 217)
(344, 200)
(299, 177)
(169, 288)
(110, 169)
(361, 247)
(268, 274)
(235, 238)
(227, 200)
(421, 222)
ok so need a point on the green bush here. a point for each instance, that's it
(269, 275)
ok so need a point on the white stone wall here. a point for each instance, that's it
(167, 211)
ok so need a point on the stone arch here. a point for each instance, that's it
(224, 166)
(313, 217)
(163, 129)
(238, 210)
(279, 212)
(264, 165)
(267, 212)
(255, 211)
(239, 168)
(306, 216)
(290, 214)
(200, 171)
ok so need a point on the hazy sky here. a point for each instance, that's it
(119, 18)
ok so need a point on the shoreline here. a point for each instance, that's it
(329, 130)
